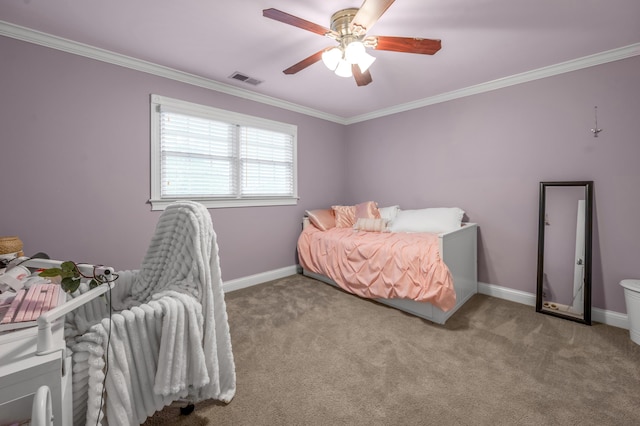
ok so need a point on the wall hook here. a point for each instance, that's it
(595, 130)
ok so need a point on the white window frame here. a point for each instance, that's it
(158, 202)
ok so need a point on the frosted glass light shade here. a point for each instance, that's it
(365, 61)
(331, 58)
(344, 69)
(354, 52)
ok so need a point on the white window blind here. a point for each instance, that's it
(197, 157)
(266, 162)
(220, 158)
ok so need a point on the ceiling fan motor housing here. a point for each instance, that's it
(341, 24)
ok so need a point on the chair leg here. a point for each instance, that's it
(185, 411)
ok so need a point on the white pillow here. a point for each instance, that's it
(434, 220)
(389, 213)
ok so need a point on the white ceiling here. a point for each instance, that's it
(482, 41)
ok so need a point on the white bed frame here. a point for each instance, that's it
(459, 250)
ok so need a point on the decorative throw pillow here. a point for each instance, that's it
(435, 220)
(389, 213)
(345, 216)
(371, 224)
(323, 219)
(367, 210)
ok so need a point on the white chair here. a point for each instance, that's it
(168, 338)
(160, 333)
(42, 410)
(33, 409)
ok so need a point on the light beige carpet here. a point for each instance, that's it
(307, 353)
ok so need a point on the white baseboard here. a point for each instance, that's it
(507, 294)
(614, 319)
(260, 278)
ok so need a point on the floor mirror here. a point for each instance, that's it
(564, 250)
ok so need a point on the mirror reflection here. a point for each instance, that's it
(564, 250)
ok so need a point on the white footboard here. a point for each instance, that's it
(459, 250)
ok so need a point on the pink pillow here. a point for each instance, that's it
(345, 216)
(367, 210)
(322, 219)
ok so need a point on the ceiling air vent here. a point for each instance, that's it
(242, 77)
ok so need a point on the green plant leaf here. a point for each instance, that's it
(70, 284)
(93, 283)
(69, 269)
(51, 272)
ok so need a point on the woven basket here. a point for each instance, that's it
(10, 245)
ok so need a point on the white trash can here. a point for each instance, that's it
(632, 300)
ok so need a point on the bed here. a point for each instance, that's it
(453, 267)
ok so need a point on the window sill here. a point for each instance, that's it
(230, 203)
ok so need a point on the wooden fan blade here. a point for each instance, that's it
(362, 78)
(424, 46)
(304, 63)
(370, 12)
(281, 16)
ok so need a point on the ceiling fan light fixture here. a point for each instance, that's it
(349, 28)
(331, 58)
(366, 61)
(344, 69)
(354, 52)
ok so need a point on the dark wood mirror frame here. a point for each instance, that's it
(585, 318)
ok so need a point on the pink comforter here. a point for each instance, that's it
(380, 265)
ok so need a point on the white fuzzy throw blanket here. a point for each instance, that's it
(169, 338)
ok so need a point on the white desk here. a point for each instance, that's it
(22, 372)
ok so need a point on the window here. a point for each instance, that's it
(219, 158)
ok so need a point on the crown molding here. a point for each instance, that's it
(43, 39)
(47, 40)
(561, 68)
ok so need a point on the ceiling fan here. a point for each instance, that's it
(349, 28)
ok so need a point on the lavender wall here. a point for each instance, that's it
(74, 164)
(484, 153)
(487, 153)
